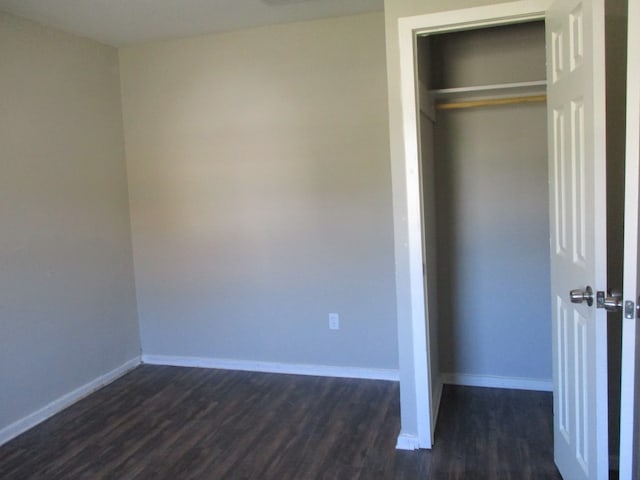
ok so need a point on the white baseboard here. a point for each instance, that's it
(407, 442)
(492, 381)
(273, 367)
(31, 420)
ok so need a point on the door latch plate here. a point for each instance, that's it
(629, 310)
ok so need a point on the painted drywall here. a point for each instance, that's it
(493, 209)
(493, 242)
(504, 54)
(261, 195)
(67, 302)
(429, 226)
(430, 255)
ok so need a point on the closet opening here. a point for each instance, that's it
(485, 206)
(483, 158)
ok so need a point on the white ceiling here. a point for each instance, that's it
(123, 22)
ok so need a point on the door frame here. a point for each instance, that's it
(413, 336)
(629, 449)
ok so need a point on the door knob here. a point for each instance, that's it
(579, 296)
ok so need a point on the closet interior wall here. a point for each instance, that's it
(486, 218)
(429, 230)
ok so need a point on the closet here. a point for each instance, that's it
(483, 136)
(483, 156)
(485, 207)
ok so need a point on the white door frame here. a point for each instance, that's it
(415, 383)
(629, 449)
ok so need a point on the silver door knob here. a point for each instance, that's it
(579, 296)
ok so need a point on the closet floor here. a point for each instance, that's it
(189, 423)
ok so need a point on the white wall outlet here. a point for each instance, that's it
(334, 321)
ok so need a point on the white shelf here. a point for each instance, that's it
(538, 87)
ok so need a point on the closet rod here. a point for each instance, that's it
(490, 102)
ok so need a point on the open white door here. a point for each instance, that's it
(577, 169)
(630, 381)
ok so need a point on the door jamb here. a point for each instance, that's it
(628, 408)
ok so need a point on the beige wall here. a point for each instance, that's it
(67, 303)
(261, 194)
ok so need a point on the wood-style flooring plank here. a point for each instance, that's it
(186, 423)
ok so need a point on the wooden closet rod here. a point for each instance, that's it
(490, 102)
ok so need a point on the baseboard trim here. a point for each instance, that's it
(492, 381)
(273, 367)
(407, 442)
(13, 430)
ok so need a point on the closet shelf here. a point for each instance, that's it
(481, 96)
(488, 95)
(499, 90)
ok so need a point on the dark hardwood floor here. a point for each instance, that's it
(187, 423)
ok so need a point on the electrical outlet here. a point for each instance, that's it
(334, 321)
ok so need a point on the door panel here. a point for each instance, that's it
(575, 62)
(630, 384)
